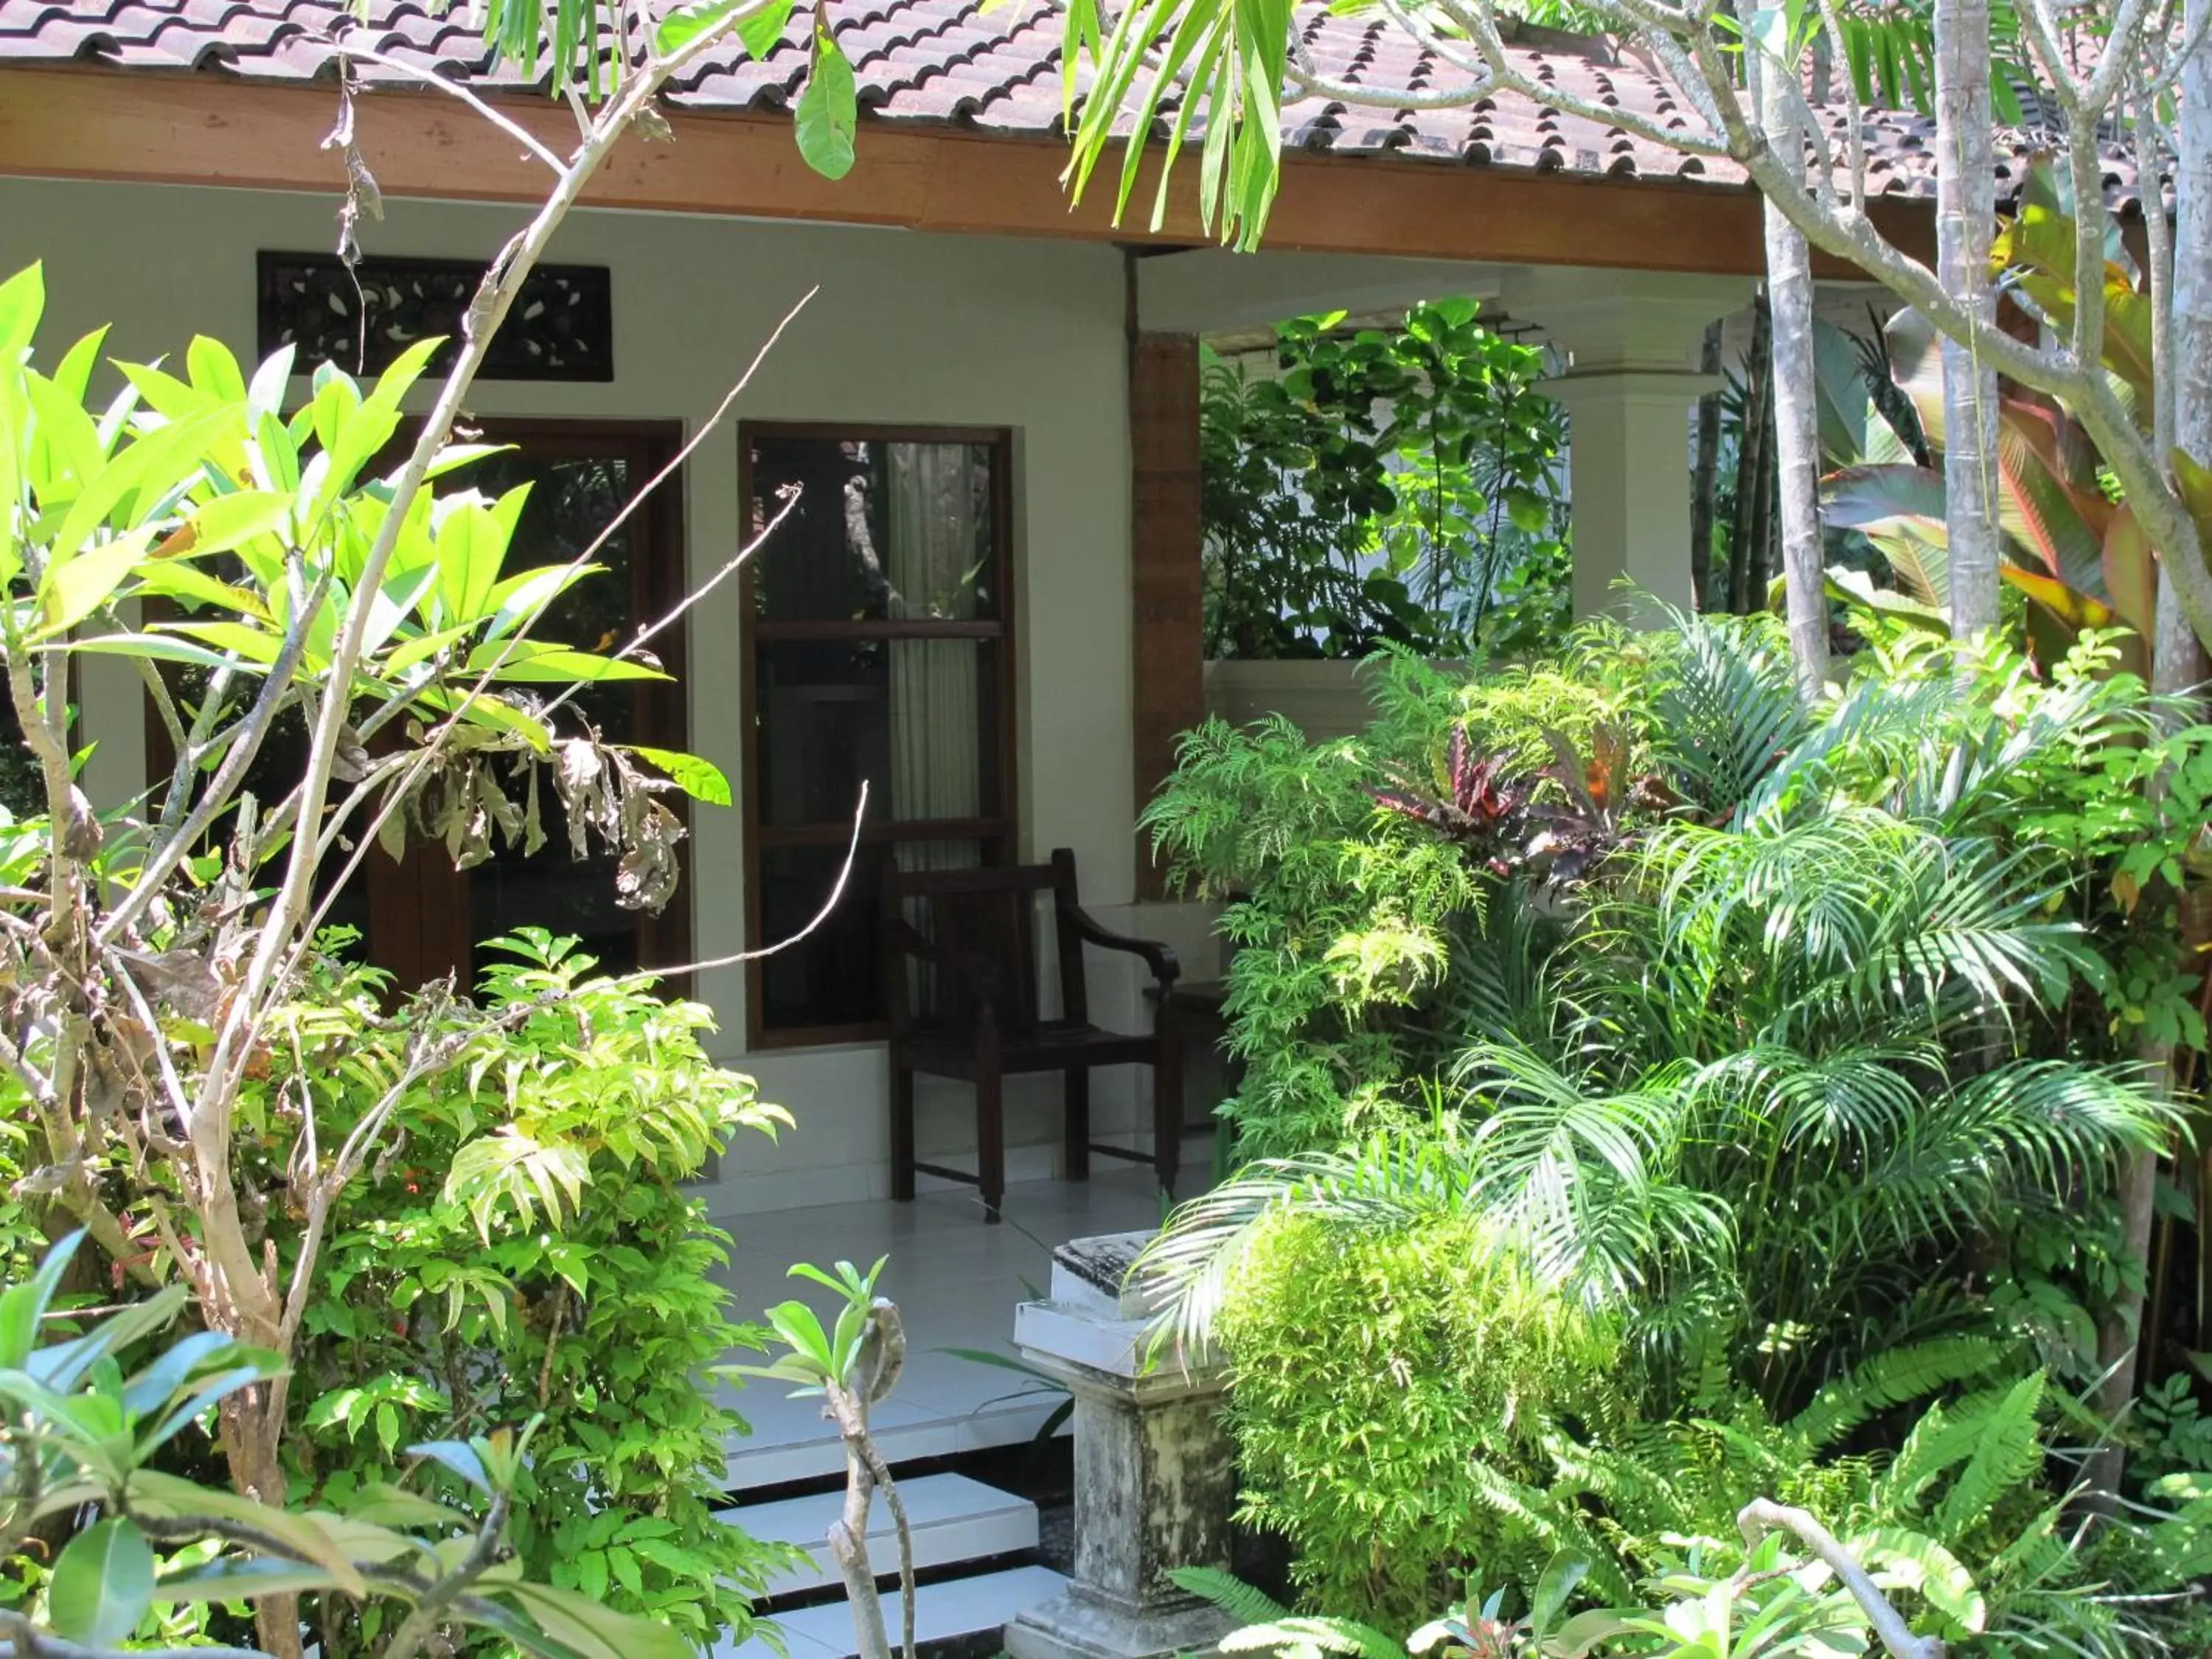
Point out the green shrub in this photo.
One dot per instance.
(1370, 1370)
(524, 1249)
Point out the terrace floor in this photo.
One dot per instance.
(957, 1281)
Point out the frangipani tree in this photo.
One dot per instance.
(315, 558)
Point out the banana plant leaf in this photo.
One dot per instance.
(1852, 430)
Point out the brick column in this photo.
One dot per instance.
(1168, 634)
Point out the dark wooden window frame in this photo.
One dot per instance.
(418, 907)
(1001, 834)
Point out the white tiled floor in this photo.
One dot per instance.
(957, 1281)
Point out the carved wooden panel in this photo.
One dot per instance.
(560, 327)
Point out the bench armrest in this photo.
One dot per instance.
(1160, 959)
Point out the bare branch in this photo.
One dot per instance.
(347, 47)
(1763, 1515)
(828, 905)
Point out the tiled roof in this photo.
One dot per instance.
(989, 69)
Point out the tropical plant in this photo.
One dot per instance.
(1479, 1629)
(1772, 1069)
(1396, 486)
(2081, 557)
(525, 1251)
(155, 952)
(851, 1366)
(1369, 1366)
(87, 1417)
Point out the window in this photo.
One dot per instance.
(420, 918)
(878, 649)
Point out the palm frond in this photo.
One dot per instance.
(1727, 706)
(1579, 1180)
(1388, 1180)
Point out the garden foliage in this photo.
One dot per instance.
(1788, 1048)
(1386, 485)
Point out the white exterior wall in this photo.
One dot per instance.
(906, 328)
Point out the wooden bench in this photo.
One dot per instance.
(966, 940)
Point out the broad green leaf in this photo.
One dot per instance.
(214, 369)
(702, 780)
(22, 303)
(1856, 587)
(829, 112)
(176, 579)
(594, 1632)
(265, 396)
(523, 597)
(1921, 1563)
(472, 542)
(74, 590)
(255, 645)
(103, 1584)
(2070, 605)
(147, 470)
(422, 648)
(2131, 572)
(759, 32)
(233, 1580)
(555, 664)
(229, 522)
(762, 31)
(304, 1533)
(69, 450)
(161, 648)
(22, 1306)
(1915, 363)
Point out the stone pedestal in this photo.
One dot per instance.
(1154, 1478)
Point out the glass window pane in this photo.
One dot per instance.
(572, 498)
(554, 892)
(917, 719)
(879, 530)
(835, 975)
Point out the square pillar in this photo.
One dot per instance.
(1166, 565)
(1631, 340)
(1628, 476)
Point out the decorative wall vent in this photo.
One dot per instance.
(561, 328)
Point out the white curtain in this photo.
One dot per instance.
(940, 545)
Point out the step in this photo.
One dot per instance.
(952, 1519)
(943, 1613)
(1008, 1417)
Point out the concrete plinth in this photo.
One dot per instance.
(1155, 1480)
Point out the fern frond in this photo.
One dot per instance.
(1891, 1379)
(1296, 1634)
(1243, 1602)
(2008, 1452)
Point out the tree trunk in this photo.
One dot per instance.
(2176, 664)
(1745, 528)
(1796, 422)
(1704, 475)
(1965, 222)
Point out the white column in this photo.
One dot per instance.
(1631, 389)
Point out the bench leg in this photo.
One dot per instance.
(1077, 1156)
(991, 1141)
(901, 1134)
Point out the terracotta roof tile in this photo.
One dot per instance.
(954, 61)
